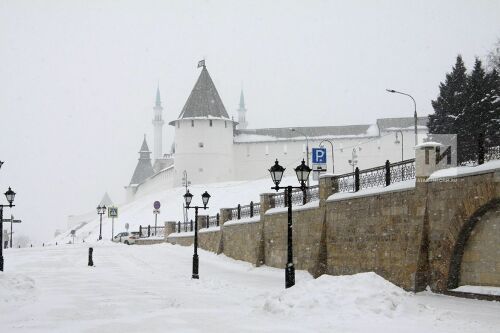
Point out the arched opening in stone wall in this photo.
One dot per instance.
(476, 255)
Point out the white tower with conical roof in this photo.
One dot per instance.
(203, 136)
(158, 127)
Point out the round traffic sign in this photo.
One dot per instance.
(156, 205)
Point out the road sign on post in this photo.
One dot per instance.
(319, 155)
(156, 211)
(112, 212)
(156, 205)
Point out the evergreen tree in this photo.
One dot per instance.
(450, 103)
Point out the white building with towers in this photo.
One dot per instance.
(211, 147)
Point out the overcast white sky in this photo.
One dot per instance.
(78, 78)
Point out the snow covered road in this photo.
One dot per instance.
(149, 289)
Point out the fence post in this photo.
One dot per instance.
(178, 226)
(356, 179)
(218, 216)
(388, 173)
(239, 211)
(251, 208)
(208, 221)
(480, 149)
(140, 231)
(149, 230)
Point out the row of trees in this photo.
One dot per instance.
(469, 105)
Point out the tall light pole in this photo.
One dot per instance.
(402, 142)
(414, 113)
(354, 159)
(331, 144)
(100, 210)
(10, 199)
(307, 147)
(187, 199)
(302, 171)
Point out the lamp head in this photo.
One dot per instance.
(391, 90)
(302, 172)
(10, 195)
(276, 172)
(187, 198)
(205, 197)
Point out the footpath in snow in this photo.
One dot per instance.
(149, 289)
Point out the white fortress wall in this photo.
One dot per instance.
(204, 151)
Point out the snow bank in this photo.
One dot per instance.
(15, 288)
(486, 290)
(356, 295)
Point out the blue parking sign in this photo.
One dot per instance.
(319, 155)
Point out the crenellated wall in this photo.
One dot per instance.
(412, 234)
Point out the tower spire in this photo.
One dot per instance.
(242, 112)
(158, 99)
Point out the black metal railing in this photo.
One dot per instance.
(377, 177)
(298, 197)
(213, 221)
(251, 210)
(151, 231)
(184, 226)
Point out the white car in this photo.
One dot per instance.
(126, 237)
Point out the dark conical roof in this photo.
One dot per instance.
(144, 168)
(144, 146)
(204, 100)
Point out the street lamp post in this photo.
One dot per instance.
(402, 142)
(302, 171)
(307, 147)
(331, 144)
(187, 199)
(354, 159)
(100, 210)
(414, 113)
(10, 199)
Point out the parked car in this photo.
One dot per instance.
(126, 237)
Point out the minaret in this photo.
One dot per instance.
(158, 127)
(242, 112)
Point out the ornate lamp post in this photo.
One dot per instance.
(101, 210)
(10, 199)
(302, 172)
(307, 147)
(414, 113)
(187, 199)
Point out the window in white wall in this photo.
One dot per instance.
(178, 124)
(200, 170)
(211, 124)
(192, 123)
(267, 149)
(225, 124)
(248, 151)
(304, 148)
(285, 149)
(200, 144)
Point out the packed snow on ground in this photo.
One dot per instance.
(487, 290)
(149, 289)
(140, 211)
